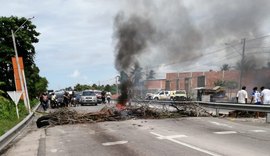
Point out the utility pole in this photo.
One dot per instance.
(20, 72)
(242, 62)
(116, 82)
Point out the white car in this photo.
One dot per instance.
(162, 95)
(88, 97)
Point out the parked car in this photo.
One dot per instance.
(162, 95)
(59, 97)
(178, 95)
(76, 98)
(149, 96)
(88, 97)
(98, 95)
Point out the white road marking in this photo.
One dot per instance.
(257, 130)
(220, 124)
(114, 143)
(171, 137)
(185, 144)
(60, 130)
(226, 132)
(54, 150)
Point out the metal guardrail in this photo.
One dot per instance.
(10, 135)
(216, 105)
(236, 106)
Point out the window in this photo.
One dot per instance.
(201, 81)
(167, 86)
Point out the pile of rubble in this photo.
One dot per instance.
(138, 111)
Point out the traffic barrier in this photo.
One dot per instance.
(218, 106)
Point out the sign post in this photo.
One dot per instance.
(15, 96)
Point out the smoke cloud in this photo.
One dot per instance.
(133, 34)
(161, 32)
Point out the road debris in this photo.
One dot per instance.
(136, 111)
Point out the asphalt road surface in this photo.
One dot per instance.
(198, 136)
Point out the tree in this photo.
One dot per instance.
(150, 75)
(1, 91)
(94, 86)
(136, 74)
(25, 37)
(231, 85)
(41, 86)
(79, 87)
(108, 88)
(69, 88)
(220, 83)
(225, 67)
(35, 83)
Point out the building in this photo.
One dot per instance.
(154, 85)
(190, 80)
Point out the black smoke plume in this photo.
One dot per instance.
(151, 32)
(132, 35)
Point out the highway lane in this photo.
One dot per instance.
(182, 136)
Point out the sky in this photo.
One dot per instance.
(76, 44)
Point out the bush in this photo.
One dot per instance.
(8, 115)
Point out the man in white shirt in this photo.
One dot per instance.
(265, 95)
(242, 95)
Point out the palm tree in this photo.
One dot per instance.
(151, 75)
(225, 67)
(136, 74)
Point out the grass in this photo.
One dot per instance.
(8, 115)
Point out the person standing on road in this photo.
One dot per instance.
(265, 96)
(108, 96)
(53, 101)
(44, 101)
(242, 95)
(103, 96)
(66, 99)
(256, 96)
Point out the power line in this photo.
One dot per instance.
(208, 53)
(257, 38)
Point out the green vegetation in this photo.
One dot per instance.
(26, 36)
(108, 88)
(227, 84)
(8, 116)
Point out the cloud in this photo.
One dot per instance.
(75, 39)
(76, 42)
(76, 73)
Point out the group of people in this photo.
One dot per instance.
(106, 95)
(258, 97)
(262, 97)
(68, 100)
(51, 99)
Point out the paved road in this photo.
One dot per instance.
(182, 136)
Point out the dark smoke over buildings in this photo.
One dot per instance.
(151, 32)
